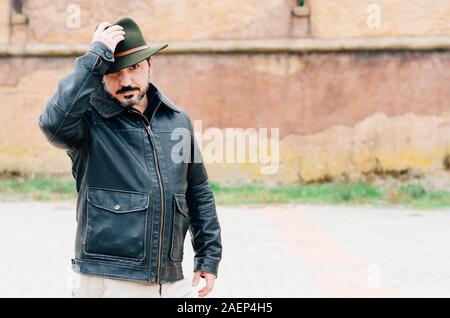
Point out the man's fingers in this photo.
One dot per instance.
(112, 29)
(118, 39)
(196, 278)
(210, 282)
(204, 291)
(209, 286)
(209, 278)
(108, 34)
(102, 26)
(115, 34)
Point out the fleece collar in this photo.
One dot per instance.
(108, 107)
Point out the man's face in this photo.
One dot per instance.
(130, 84)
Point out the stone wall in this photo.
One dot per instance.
(341, 115)
(51, 21)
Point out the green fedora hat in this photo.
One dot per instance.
(133, 49)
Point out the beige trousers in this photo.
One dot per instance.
(88, 286)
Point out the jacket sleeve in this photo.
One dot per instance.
(204, 224)
(64, 121)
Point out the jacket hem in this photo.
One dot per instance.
(110, 270)
(123, 272)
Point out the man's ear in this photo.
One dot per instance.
(150, 65)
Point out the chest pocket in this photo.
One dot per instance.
(116, 223)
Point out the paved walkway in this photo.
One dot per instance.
(271, 251)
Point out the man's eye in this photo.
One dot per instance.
(135, 66)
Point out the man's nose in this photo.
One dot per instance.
(125, 80)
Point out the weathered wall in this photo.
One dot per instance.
(4, 13)
(166, 20)
(170, 20)
(341, 115)
(348, 18)
(338, 114)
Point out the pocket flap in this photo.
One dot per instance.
(182, 207)
(118, 201)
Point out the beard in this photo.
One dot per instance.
(129, 103)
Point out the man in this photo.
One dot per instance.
(136, 199)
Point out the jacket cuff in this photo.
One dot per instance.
(104, 57)
(102, 50)
(206, 264)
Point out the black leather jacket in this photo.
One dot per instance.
(135, 203)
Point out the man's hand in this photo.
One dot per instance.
(109, 34)
(210, 279)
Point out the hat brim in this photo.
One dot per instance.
(133, 58)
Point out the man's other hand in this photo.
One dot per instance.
(209, 278)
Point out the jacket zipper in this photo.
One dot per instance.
(161, 188)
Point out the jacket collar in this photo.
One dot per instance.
(108, 107)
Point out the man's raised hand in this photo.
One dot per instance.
(109, 34)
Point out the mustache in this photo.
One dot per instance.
(127, 89)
